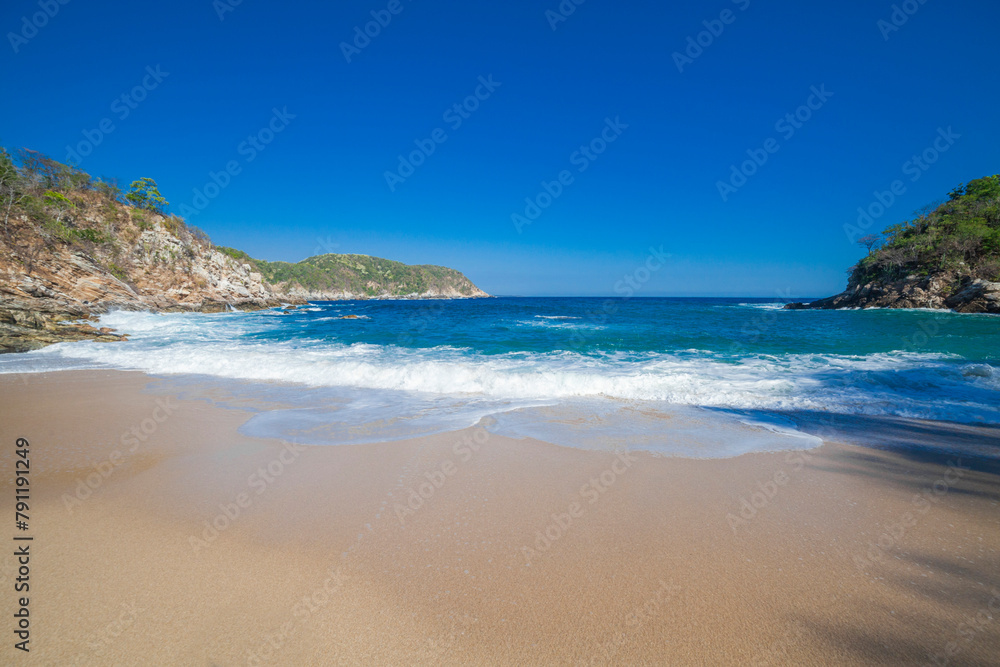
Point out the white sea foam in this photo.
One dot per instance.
(558, 322)
(901, 383)
(761, 306)
(365, 392)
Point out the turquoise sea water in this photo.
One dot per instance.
(411, 367)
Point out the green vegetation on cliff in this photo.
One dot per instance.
(960, 236)
(47, 207)
(359, 275)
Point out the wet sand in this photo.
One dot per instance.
(163, 536)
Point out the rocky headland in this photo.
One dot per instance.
(948, 257)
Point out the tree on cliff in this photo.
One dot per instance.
(40, 173)
(869, 241)
(145, 194)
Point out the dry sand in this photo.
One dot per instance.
(323, 566)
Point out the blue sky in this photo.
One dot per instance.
(320, 183)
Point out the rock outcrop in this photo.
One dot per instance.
(976, 296)
(33, 323)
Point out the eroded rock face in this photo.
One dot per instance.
(938, 291)
(977, 296)
(193, 276)
(151, 269)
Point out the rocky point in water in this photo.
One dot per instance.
(948, 257)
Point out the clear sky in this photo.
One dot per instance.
(211, 77)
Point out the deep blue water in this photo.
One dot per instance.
(594, 326)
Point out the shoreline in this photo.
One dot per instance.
(470, 547)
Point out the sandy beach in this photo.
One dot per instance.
(164, 536)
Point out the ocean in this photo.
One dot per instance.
(647, 373)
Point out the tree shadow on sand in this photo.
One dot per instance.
(961, 621)
(952, 578)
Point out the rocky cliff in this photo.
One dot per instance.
(948, 257)
(84, 258)
(72, 248)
